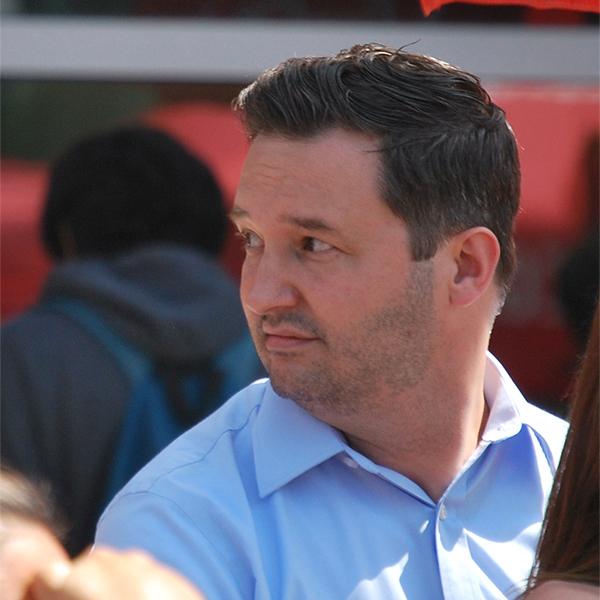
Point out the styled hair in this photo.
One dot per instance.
(568, 549)
(120, 189)
(449, 159)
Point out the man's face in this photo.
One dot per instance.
(340, 314)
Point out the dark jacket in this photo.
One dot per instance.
(63, 393)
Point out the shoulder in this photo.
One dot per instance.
(45, 351)
(549, 429)
(559, 590)
(212, 447)
(190, 505)
(38, 329)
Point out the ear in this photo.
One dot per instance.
(475, 254)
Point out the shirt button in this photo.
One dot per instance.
(443, 512)
(350, 462)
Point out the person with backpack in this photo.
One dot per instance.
(138, 333)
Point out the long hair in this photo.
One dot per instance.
(568, 548)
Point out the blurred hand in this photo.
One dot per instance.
(109, 574)
(25, 547)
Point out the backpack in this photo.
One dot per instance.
(165, 400)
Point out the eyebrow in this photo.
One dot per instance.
(309, 223)
(238, 213)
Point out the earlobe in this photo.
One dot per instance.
(476, 253)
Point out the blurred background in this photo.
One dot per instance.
(69, 68)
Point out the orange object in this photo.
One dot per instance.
(429, 6)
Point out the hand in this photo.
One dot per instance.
(25, 548)
(104, 573)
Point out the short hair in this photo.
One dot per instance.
(449, 158)
(117, 190)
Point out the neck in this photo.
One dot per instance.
(432, 463)
(427, 437)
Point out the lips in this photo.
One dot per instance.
(286, 332)
(286, 339)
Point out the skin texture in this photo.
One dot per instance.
(34, 566)
(346, 323)
(561, 590)
(301, 283)
(26, 547)
(106, 573)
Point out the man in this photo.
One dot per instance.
(135, 223)
(388, 456)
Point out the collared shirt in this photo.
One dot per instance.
(262, 500)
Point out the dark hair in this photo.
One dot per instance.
(120, 189)
(568, 549)
(23, 499)
(449, 158)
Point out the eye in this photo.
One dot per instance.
(250, 240)
(311, 244)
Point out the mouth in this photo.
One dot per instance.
(286, 341)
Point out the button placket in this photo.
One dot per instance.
(443, 512)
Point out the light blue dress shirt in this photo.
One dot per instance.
(263, 501)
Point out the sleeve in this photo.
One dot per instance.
(159, 526)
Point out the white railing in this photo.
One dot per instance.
(160, 49)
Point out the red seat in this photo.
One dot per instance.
(553, 125)
(24, 264)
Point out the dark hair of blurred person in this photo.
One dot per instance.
(29, 533)
(568, 551)
(141, 185)
(95, 375)
(21, 498)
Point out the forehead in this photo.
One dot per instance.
(334, 175)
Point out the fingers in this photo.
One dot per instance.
(106, 573)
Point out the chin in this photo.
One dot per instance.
(291, 386)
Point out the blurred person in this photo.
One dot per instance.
(389, 455)
(578, 276)
(104, 573)
(29, 534)
(34, 565)
(568, 559)
(136, 306)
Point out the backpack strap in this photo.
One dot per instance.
(134, 364)
(164, 401)
(145, 426)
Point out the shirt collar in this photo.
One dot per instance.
(503, 399)
(288, 441)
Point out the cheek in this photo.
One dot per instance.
(245, 282)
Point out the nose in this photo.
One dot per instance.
(267, 284)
